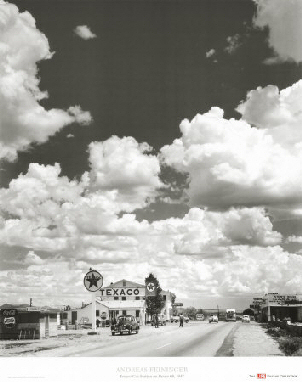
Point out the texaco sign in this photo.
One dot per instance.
(93, 281)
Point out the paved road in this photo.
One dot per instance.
(193, 340)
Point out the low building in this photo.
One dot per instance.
(120, 298)
(28, 323)
(274, 306)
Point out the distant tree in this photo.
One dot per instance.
(248, 311)
(173, 298)
(154, 303)
(190, 312)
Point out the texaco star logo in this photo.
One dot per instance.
(93, 280)
(151, 287)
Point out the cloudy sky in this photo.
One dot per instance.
(151, 136)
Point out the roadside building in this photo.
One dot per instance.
(275, 306)
(28, 323)
(120, 298)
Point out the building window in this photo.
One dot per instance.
(124, 312)
(117, 312)
(137, 298)
(137, 314)
(116, 298)
(97, 312)
(144, 298)
(123, 298)
(124, 283)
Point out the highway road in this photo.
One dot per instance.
(193, 340)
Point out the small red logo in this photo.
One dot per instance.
(261, 376)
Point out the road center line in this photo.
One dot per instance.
(163, 346)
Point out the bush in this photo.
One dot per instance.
(274, 332)
(290, 345)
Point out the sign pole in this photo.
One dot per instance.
(93, 281)
(93, 312)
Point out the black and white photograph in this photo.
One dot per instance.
(151, 190)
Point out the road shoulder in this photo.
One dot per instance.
(251, 340)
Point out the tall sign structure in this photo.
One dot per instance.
(93, 281)
(150, 288)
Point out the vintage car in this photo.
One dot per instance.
(213, 318)
(246, 318)
(175, 319)
(161, 320)
(186, 319)
(125, 324)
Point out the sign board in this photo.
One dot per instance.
(9, 317)
(121, 292)
(150, 289)
(178, 304)
(281, 299)
(93, 281)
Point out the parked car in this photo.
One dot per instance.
(175, 319)
(213, 318)
(125, 324)
(246, 318)
(186, 319)
(161, 320)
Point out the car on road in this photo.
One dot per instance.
(246, 318)
(213, 318)
(161, 320)
(175, 319)
(186, 319)
(125, 324)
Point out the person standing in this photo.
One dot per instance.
(156, 320)
(181, 320)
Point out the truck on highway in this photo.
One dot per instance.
(230, 315)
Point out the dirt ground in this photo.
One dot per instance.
(9, 348)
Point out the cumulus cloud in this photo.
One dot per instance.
(84, 32)
(203, 232)
(284, 22)
(233, 43)
(45, 211)
(242, 270)
(232, 162)
(40, 192)
(74, 225)
(125, 166)
(294, 239)
(33, 259)
(278, 111)
(213, 248)
(22, 119)
(77, 223)
(258, 270)
(210, 53)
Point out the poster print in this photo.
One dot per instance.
(157, 144)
